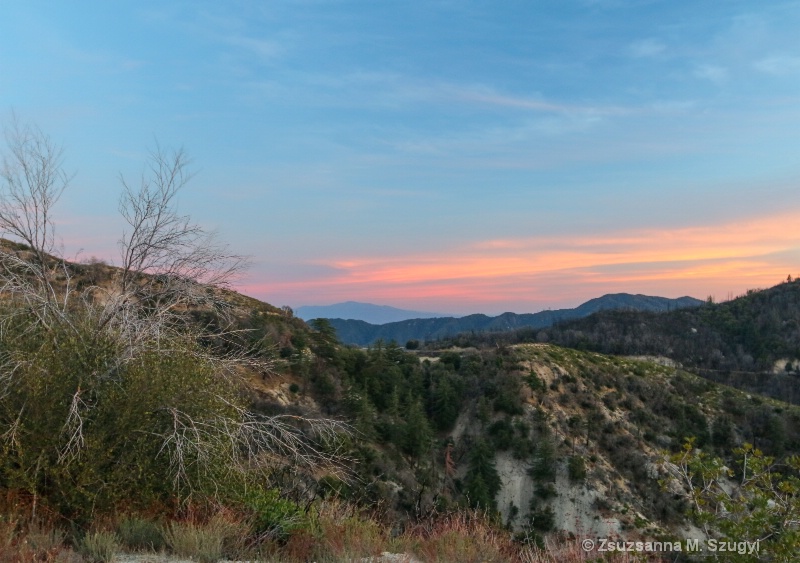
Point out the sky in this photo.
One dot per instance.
(450, 156)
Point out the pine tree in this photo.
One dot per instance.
(444, 404)
(417, 438)
(482, 482)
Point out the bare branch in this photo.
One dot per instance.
(254, 442)
(73, 429)
(31, 182)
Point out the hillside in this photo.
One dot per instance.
(553, 439)
(361, 333)
(751, 342)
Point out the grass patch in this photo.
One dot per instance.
(100, 546)
(207, 542)
(460, 536)
(138, 534)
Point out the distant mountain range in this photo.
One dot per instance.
(361, 333)
(353, 310)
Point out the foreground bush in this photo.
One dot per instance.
(139, 534)
(110, 395)
(87, 434)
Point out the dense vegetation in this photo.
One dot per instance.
(749, 333)
(407, 408)
(86, 434)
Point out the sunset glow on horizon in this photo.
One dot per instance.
(718, 261)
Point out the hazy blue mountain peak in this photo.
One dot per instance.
(368, 312)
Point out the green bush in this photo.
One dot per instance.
(502, 433)
(577, 468)
(541, 519)
(544, 465)
(90, 431)
(535, 382)
(482, 482)
(545, 491)
(764, 509)
(140, 534)
(273, 516)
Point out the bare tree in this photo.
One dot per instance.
(163, 243)
(33, 180)
(168, 263)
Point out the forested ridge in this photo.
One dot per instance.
(361, 333)
(751, 342)
(749, 333)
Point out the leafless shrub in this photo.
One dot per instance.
(73, 428)
(254, 442)
(34, 181)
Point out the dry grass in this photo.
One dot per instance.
(140, 534)
(341, 533)
(100, 546)
(222, 535)
(353, 535)
(571, 551)
(8, 531)
(459, 536)
(36, 541)
(336, 532)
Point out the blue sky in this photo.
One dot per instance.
(448, 156)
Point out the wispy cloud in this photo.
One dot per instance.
(713, 73)
(396, 90)
(491, 97)
(263, 48)
(647, 48)
(778, 65)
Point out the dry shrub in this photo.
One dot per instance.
(302, 545)
(336, 531)
(346, 532)
(44, 538)
(8, 531)
(100, 546)
(222, 535)
(460, 536)
(38, 541)
(8, 538)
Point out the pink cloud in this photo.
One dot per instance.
(520, 273)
